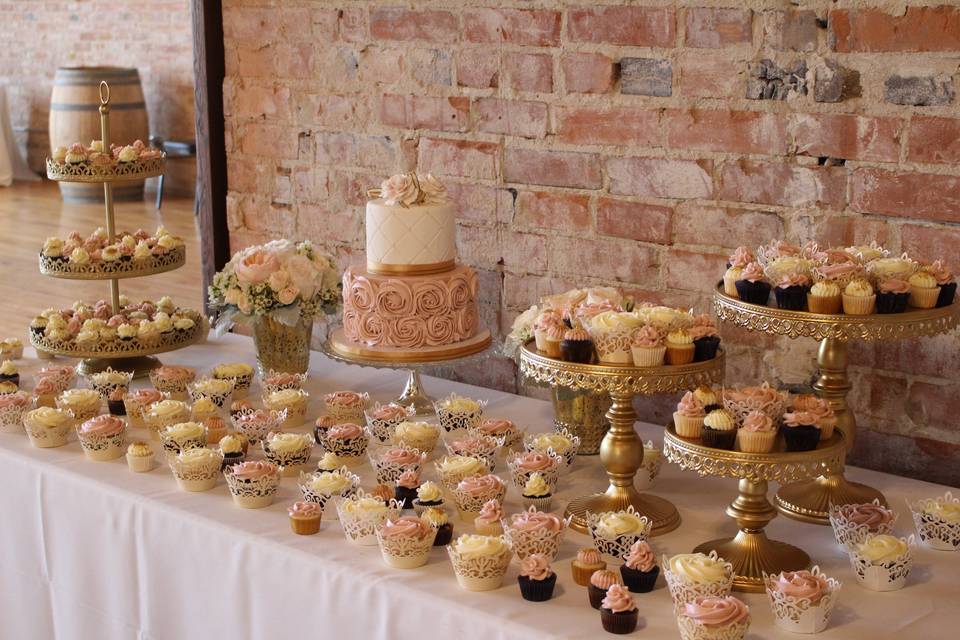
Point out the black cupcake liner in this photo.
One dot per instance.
(116, 407)
(718, 439)
(753, 292)
(577, 351)
(705, 348)
(444, 535)
(792, 298)
(537, 590)
(639, 581)
(596, 595)
(619, 623)
(892, 302)
(947, 293)
(405, 496)
(801, 438)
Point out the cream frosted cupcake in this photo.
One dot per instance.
(536, 493)
(680, 347)
(532, 531)
(233, 448)
(561, 442)
(172, 379)
(140, 457)
(647, 347)
(488, 521)
(160, 415)
(693, 575)
(391, 462)
(713, 618)
(48, 427)
(854, 523)
(240, 373)
(329, 462)
(202, 409)
(709, 398)
(739, 259)
(82, 403)
(825, 297)
(757, 433)
(802, 601)
(418, 435)
(938, 521)
(288, 451)
(405, 542)
(438, 519)
(278, 380)
(135, 403)
(346, 406)
(348, 442)
(452, 469)
(480, 562)
(196, 469)
(216, 389)
(882, 562)
(382, 420)
(253, 483)
(459, 412)
(859, 298)
(12, 408)
(105, 382)
(472, 492)
(924, 290)
(546, 463)
(612, 333)
(885, 268)
(293, 401)
(429, 496)
(614, 532)
(322, 486)
(689, 416)
(182, 436)
(472, 443)
(361, 515)
(102, 437)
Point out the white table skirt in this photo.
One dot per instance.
(94, 551)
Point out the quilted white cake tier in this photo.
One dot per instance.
(419, 239)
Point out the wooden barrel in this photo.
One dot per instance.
(75, 117)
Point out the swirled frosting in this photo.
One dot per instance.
(882, 548)
(698, 568)
(415, 430)
(588, 556)
(462, 465)
(741, 257)
(389, 413)
(640, 557)
(230, 443)
(287, 442)
(470, 547)
(346, 431)
(458, 404)
(253, 470)
(893, 285)
(174, 373)
(618, 600)
(409, 479)
(648, 336)
(825, 289)
(399, 456)
(305, 510)
(429, 492)
(941, 273)
(560, 443)
(800, 584)
(479, 486)
(232, 370)
(715, 611)
(534, 461)
(434, 517)
(536, 566)
(690, 406)
(706, 395)
(753, 272)
(873, 516)
(614, 524)
(793, 279)
(859, 288)
(496, 426)
(490, 512)
(720, 420)
(364, 505)
(945, 510)
(536, 486)
(679, 336)
(105, 425)
(604, 579)
(757, 421)
(184, 431)
(167, 409)
(799, 419)
(344, 399)
(330, 482)
(48, 417)
(406, 526)
(80, 398)
(139, 450)
(615, 320)
(923, 280)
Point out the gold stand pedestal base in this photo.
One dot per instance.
(810, 501)
(140, 366)
(662, 514)
(752, 554)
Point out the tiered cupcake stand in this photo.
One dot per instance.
(810, 501)
(129, 355)
(750, 551)
(621, 451)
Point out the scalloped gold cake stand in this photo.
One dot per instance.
(621, 451)
(751, 552)
(810, 501)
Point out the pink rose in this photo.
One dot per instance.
(278, 279)
(256, 267)
(303, 275)
(244, 304)
(287, 295)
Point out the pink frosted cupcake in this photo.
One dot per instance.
(102, 437)
(348, 442)
(405, 542)
(383, 420)
(714, 618)
(253, 483)
(618, 612)
(533, 531)
(346, 406)
(172, 379)
(136, 403)
(853, 523)
(801, 600)
(757, 433)
(648, 348)
(487, 523)
(471, 493)
(279, 380)
(688, 418)
(12, 408)
(258, 424)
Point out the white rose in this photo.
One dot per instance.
(303, 275)
(278, 279)
(399, 190)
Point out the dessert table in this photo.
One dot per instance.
(92, 550)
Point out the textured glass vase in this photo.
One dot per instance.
(281, 347)
(583, 414)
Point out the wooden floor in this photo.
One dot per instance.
(29, 213)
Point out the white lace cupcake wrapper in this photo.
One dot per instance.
(551, 475)
(406, 546)
(362, 529)
(450, 479)
(352, 448)
(543, 541)
(172, 446)
(44, 437)
(257, 431)
(614, 345)
(453, 420)
(568, 456)
(390, 472)
(850, 533)
(287, 458)
(259, 488)
(11, 419)
(888, 576)
(480, 574)
(690, 630)
(619, 546)
(219, 399)
(196, 471)
(92, 442)
(683, 592)
(473, 504)
(800, 615)
(936, 532)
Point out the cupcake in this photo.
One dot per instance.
(552, 338)
(115, 403)
(791, 291)
(383, 492)
(348, 442)
(739, 259)
(137, 402)
(329, 462)
(533, 531)
(825, 297)
(429, 496)
(305, 518)
(458, 412)
(12, 408)
(320, 428)
(706, 340)
(741, 401)
(858, 298)
(9, 373)
(488, 522)
(537, 580)
(107, 381)
(418, 435)
(322, 486)
(233, 448)
(757, 433)
(102, 438)
(719, 430)
(279, 380)
(346, 406)
(924, 290)
(196, 469)
(536, 493)
(614, 532)
(46, 390)
(680, 348)
(216, 429)
(240, 407)
(480, 562)
(938, 521)
(406, 490)
(160, 415)
(240, 373)
(82, 403)
(253, 483)
(639, 569)
(800, 431)
(713, 618)
(256, 424)
(501, 429)
(751, 287)
(826, 422)
(289, 451)
(546, 463)
(12, 348)
(612, 333)
(689, 416)
(48, 427)
(437, 518)
(882, 562)
(587, 562)
(390, 462)
(946, 282)
(172, 379)
(543, 323)
(361, 515)
(202, 409)
(140, 457)
(840, 269)
(576, 346)
(216, 389)
(470, 494)
(647, 347)
(561, 442)
(293, 401)
(892, 296)
(382, 421)
(802, 601)
(618, 613)
(405, 542)
(182, 436)
(472, 443)
(452, 469)
(600, 583)
(709, 398)
(693, 575)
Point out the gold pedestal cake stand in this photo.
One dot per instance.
(338, 348)
(810, 501)
(750, 551)
(621, 451)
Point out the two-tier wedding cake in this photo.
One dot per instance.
(412, 301)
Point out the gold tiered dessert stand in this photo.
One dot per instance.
(810, 501)
(621, 451)
(750, 551)
(123, 355)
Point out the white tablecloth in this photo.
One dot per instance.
(94, 551)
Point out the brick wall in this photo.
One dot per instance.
(153, 36)
(633, 143)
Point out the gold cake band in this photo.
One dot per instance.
(384, 269)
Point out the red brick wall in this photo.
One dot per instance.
(634, 144)
(154, 36)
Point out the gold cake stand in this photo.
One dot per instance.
(810, 501)
(621, 451)
(750, 551)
